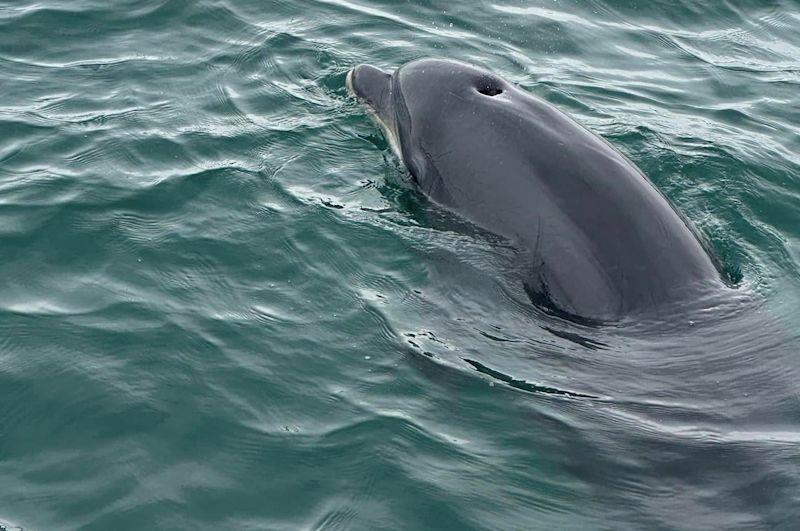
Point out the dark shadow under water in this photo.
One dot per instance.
(695, 417)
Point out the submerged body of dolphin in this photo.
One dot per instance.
(603, 242)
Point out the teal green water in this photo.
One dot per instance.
(222, 306)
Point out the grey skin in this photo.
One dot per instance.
(602, 242)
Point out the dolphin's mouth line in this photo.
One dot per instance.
(388, 132)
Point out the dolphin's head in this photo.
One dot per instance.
(374, 88)
(406, 103)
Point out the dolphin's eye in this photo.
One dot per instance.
(489, 86)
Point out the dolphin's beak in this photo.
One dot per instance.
(370, 86)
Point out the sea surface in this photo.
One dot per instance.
(224, 306)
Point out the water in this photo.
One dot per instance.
(223, 306)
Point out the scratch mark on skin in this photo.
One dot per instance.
(440, 155)
(457, 96)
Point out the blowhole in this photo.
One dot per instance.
(489, 87)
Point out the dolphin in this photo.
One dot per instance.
(601, 242)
